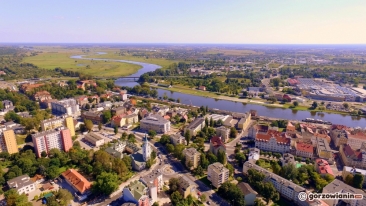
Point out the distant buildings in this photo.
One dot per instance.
(195, 126)
(94, 138)
(42, 96)
(322, 167)
(65, 107)
(59, 138)
(203, 88)
(217, 145)
(78, 182)
(217, 174)
(353, 158)
(124, 119)
(177, 139)
(22, 184)
(155, 122)
(223, 132)
(192, 157)
(8, 142)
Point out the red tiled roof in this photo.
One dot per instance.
(280, 137)
(77, 180)
(339, 127)
(348, 151)
(304, 147)
(217, 142)
(323, 167)
(358, 135)
(167, 117)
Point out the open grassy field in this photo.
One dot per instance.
(234, 52)
(20, 139)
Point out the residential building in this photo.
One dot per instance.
(95, 138)
(273, 141)
(41, 96)
(244, 122)
(224, 133)
(59, 138)
(322, 167)
(38, 179)
(70, 124)
(203, 88)
(338, 186)
(254, 154)
(339, 135)
(155, 122)
(322, 149)
(8, 142)
(160, 110)
(216, 145)
(192, 157)
(351, 157)
(119, 147)
(136, 192)
(154, 182)
(83, 84)
(304, 150)
(49, 124)
(287, 158)
(124, 119)
(195, 126)
(65, 106)
(7, 104)
(290, 127)
(46, 104)
(77, 181)
(217, 174)
(186, 187)
(352, 171)
(118, 110)
(286, 188)
(95, 117)
(22, 184)
(27, 87)
(356, 138)
(249, 194)
(177, 139)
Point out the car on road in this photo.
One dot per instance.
(208, 202)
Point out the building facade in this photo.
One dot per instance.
(195, 126)
(94, 138)
(192, 157)
(8, 142)
(154, 182)
(304, 150)
(244, 122)
(22, 184)
(223, 132)
(53, 123)
(177, 139)
(217, 174)
(273, 141)
(65, 107)
(155, 122)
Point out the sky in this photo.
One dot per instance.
(184, 21)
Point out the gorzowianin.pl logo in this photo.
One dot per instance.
(303, 196)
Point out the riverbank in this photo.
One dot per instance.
(262, 102)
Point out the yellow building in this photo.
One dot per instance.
(192, 157)
(244, 121)
(69, 123)
(8, 142)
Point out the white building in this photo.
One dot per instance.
(177, 139)
(273, 142)
(341, 187)
(146, 150)
(217, 174)
(254, 154)
(155, 122)
(223, 132)
(154, 182)
(22, 184)
(65, 107)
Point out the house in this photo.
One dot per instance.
(216, 145)
(249, 194)
(337, 186)
(287, 158)
(186, 187)
(254, 154)
(136, 192)
(352, 171)
(304, 150)
(217, 174)
(77, 181)
(118, 110)
(192, 157)
(82, 84)
(177, 139)
(27, 87)
(38, 179)
(42, 96)
(322, 167)
(155, 122)
(195, 126)
(22, 184)
(154, 182)
(94, 138)
(95, 117)
(203, 88)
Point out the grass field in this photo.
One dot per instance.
(233, 52)
(51, 60)
(20, 139)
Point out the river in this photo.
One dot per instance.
(236, 106)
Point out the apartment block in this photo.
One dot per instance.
(192, 157)
(338, 186)
(155, 122)
(217, 173)
(65, 107)
(8, 142)
(49, 124)
(69, 123)
(244, 121)
(224, 133)
(304, 150)
(177, 139)
(195, 126)
(59, 138)
(322, 149)
(273, 141)
(186, 187)
(154, 182)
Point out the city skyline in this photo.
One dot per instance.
(184, 22)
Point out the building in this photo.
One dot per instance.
(217, 174)
(95, 117)
(217, 145)
(46, 104)
(146, 149)
(273, 141)
(338, 186)
(290, 127)
(186, 187)
(192, 157)
(254, 154)
(49, 124)
(154, 182)
(77, 181)
(224, 133)
(195, 126)
(83, 84)
(203, 88)
(94, 138)
(244, 122)
(287, 158)
(22, 184)
(249, 194)
(59, 138)
(124, 119)
(136, 192)
(155, 122)
(42, 96)
(70, 124)
(138, 162)
(8, 142)
(177, 139)
(65, 106)
(322, 149)
(304, 150)
(286, 188)
(352, 171)
(323, 168)
(118, 110)
(355, 139)
(339, 135)
(351, 157)
(7, 105)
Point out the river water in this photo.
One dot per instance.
(236, 106)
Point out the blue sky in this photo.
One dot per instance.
(188, 21)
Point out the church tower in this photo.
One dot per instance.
(146, 149)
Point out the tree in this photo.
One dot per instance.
(115, 129)
(314, 105)
(346, 105)
(221, 157)
(173, 184)
(52, 172)
(88, 124)
(295, 103)
(211, 122)
(289, 172)
(131, 138)
(100, 126)
(106, 183)
(176, 197)
(269, 192)
(233, 132)
(178, 100)
(231, 192)
(187, 136)
(152, 133)
(44, 154)
(206, 121)
(203, 198)
(107, 115)
(165, 139)
(14, 199)
(170, 148)
(155, 204)
(231, 169)
(357, 181)
(198, 171)
(258, 202)
(276, 168)
(349, 179)
(64, 196)
(240, 158)
(124, 136)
